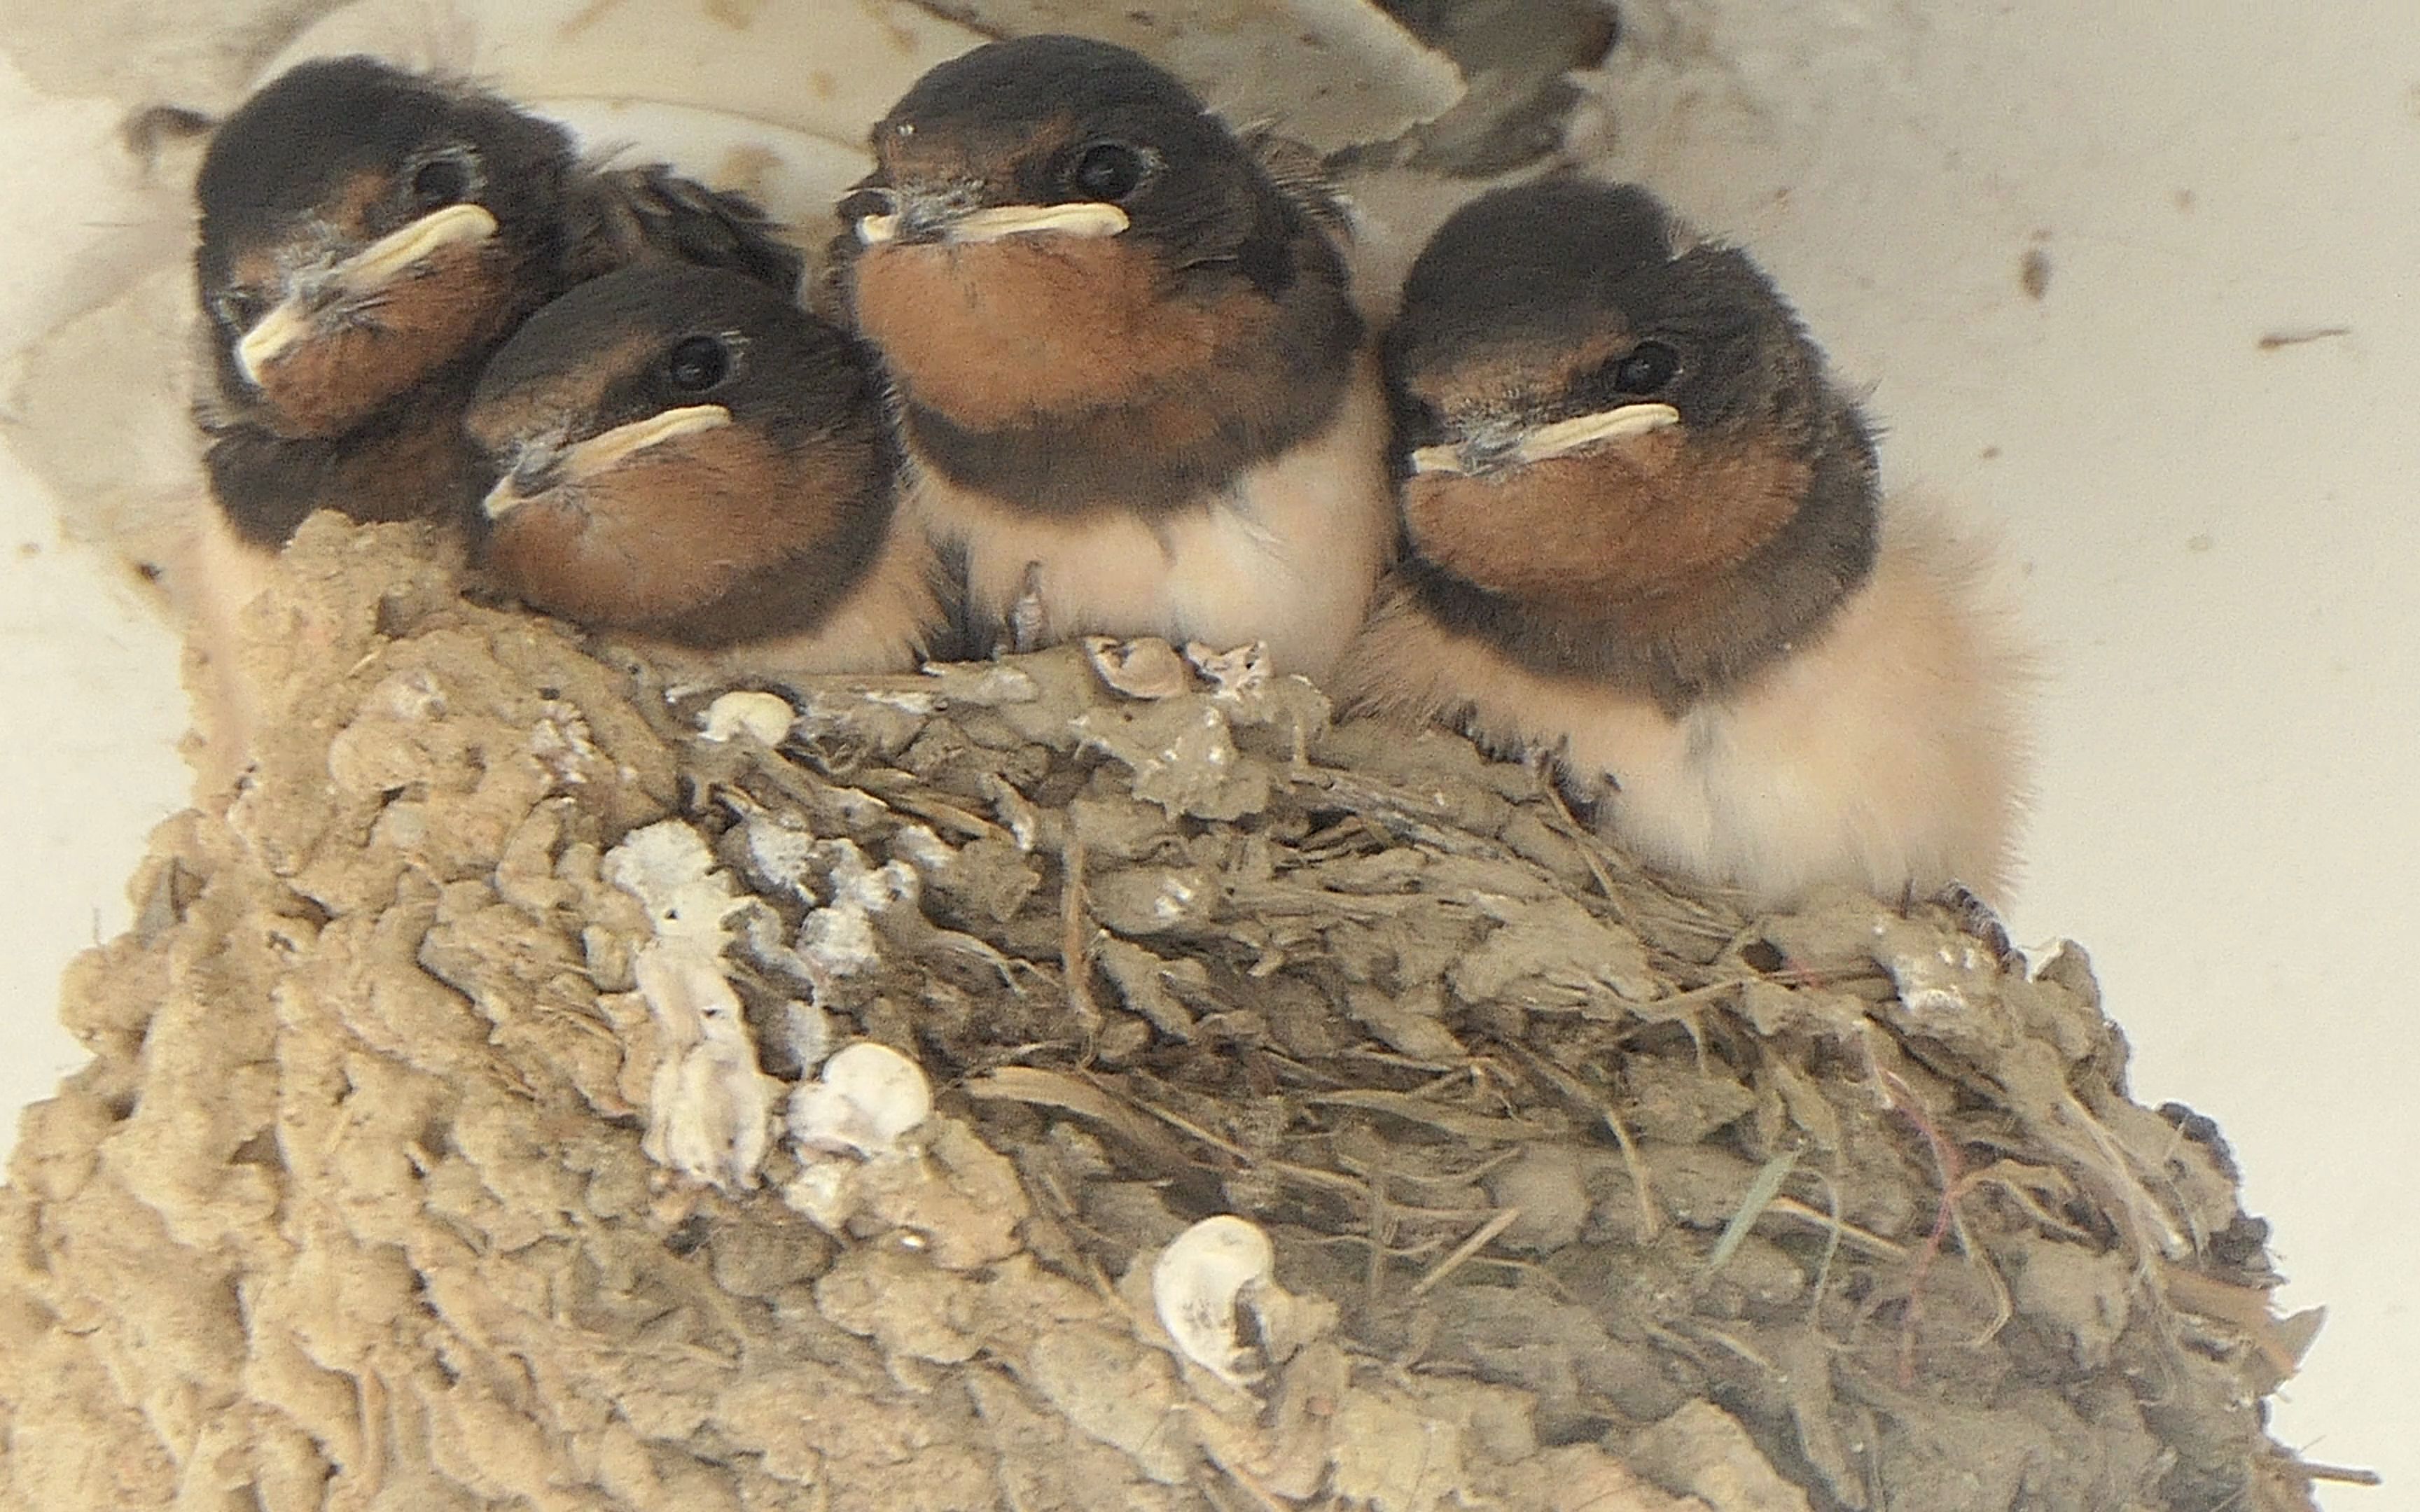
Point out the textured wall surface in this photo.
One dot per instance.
(2130, 282)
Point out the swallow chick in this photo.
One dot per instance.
(1132, 387)
(368, 236)
(683, 455)
(1645, 535)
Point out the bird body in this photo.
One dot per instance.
(1885, 753)
(1284, 553)
(884, 625)
(1129, 375)
(884, 622)
(1647, 542)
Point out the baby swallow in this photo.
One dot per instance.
(1132, 387)
(683, 455)
(368, 237)
(1645, 535)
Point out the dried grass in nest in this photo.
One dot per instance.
(1587, 1193)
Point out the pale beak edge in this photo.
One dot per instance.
(608, 449)
(998, 221)
(366, 271)
(1561, 437)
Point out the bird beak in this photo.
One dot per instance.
(367, 272)
(1490, 449)
(544, 466)
(926, 215)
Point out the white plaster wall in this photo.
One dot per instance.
(90, 703)
(2216, 544)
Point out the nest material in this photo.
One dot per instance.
(1594, 1193)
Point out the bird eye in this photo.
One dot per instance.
(440, 182)
(697, 364)
(239, 309)
(1646, 368)
(1110, 171)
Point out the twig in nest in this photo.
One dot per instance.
(1419, 1249)
(1842, 1230)
(1084, 1098)
(1693, 995)
(1570, 826)
(1382, 1232)
(1246, 1483)
(2004, 1301)
(1468, 1248)
(1583, 1098)
(2130, 1179)
(1651, 1223)
(2340, 1474)
(1437, 1175)
(1678, 910)
(1184, 1125)
(1310, 1176)
(1945, 1164)
(1707, 1331)
(2243, 1308)
(943, 815)
(370, 1395)
(1758, 1197)
(1075, 961)
(2016, 1191)
(1832, 1238)
(1401, 816)
(1413, 1108)
(1948, 1217)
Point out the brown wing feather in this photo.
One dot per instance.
(1301, 175)
(619, 216)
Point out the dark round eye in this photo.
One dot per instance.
(1110, 171)
(1647, 368)
(239, 309)
(440, 182)
(697, 364)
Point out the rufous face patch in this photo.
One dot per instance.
(667, 529)
(1633, 521)
(366, 353)
(994, 334)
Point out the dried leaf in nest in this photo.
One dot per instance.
(525, 1098)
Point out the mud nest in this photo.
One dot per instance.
(445, 1143)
